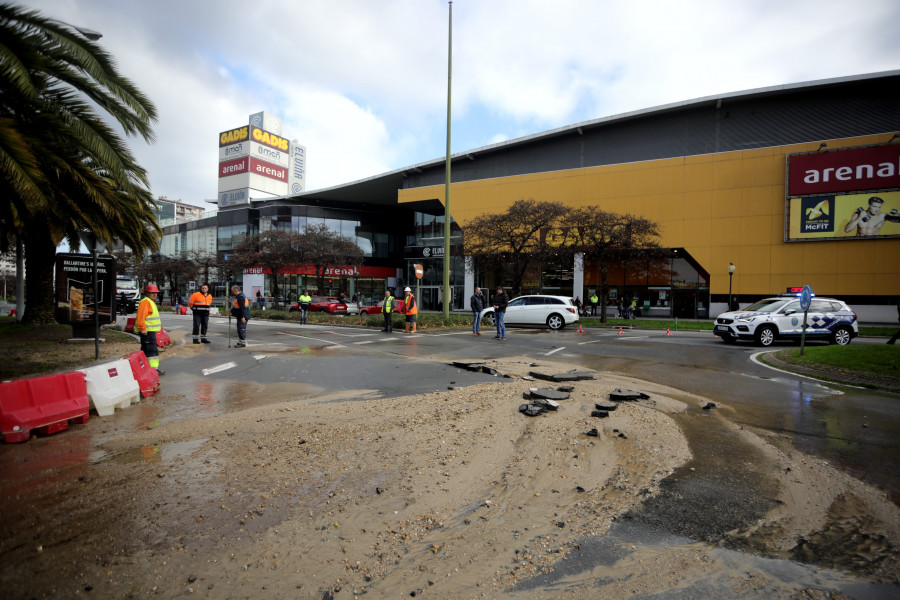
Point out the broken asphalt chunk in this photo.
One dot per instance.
(600, 414)
(620, 394)
(548, 394)
(468, 365)
(532, 410)
(548, 404)
(605, 405)
(566, 388)
(709, 405)
(593, 432)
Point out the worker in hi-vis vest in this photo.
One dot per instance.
(410, 309)
(148, 325)
(201, 303)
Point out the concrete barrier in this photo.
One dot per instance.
(43, 404)
(111, 385)
(145, 375)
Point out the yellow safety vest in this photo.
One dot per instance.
(152, 321)
(388, 305)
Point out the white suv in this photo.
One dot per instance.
(782, 318)
(553, 311)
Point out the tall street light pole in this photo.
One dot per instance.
(731, 268)
(447, 172)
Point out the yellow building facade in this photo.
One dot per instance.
(721, 208)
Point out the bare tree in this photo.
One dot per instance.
(323, 248)
(274, 250)
(603, 235)
(206, 262)
(513, 241)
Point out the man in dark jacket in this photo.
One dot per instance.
(240, 310)
(500, 302)
(477, 304)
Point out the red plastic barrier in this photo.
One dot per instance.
(129, 325)
(182, 310)
(45, 404)
(146, 376)
(162, 339)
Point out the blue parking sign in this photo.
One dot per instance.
(805, 298)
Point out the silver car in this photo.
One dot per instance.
(554, 312)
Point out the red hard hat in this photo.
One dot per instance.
(152, 288)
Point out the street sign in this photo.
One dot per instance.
(805, 298)
(192, 285)
(420, 271)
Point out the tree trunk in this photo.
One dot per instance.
(40, 261)
(604, 289)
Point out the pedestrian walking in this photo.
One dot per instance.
(240, 310)
(304, 300)
(632, 309)
(501, 300)
(578, 306)
(410, 309)
(176, 297)
(260, 300)
(387, 311)
(477, 304)
(594, 300)
(201, 303)
(148, 324)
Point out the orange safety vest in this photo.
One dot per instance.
(200, 302)
(410, 307)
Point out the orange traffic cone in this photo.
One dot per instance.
(621, 331)
(668, 332)
(580, 329)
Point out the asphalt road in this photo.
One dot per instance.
(856, 430)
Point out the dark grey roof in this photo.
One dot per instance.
(764, 117)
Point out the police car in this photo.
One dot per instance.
(782, 318)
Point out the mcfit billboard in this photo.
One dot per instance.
(844, 194)
(255, 159)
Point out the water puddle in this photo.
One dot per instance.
(160, 453)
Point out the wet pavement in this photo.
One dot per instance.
(726, 487)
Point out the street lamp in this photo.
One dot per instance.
(731, 268)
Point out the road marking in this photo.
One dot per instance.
(260, 356)
(306, 337)
(219, 368)
(554, 351)
(453, 333)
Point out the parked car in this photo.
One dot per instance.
(554, 312)
(782, 318)
(332, 306)
(375, 309)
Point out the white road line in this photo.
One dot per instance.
(590, 342)
(453, 333)
(308, 338)
(260, 356)
(554, 351)
(219, 368)
(365, 342)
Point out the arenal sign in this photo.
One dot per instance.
(852, 170)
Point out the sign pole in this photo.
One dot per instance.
(805, 300)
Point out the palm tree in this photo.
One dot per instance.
(63, 169)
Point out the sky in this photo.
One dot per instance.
(363, 85)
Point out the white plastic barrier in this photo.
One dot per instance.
(111, 385)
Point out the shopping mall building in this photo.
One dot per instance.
(776, 181)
